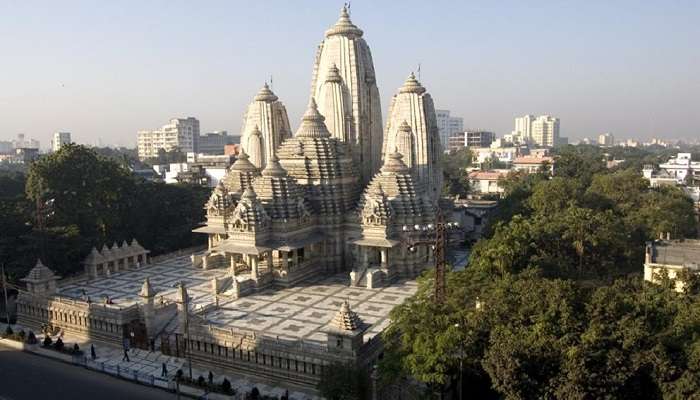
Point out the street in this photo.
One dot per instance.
(28, 376)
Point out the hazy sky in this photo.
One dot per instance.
(104, 69)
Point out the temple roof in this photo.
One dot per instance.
(412, 85)
(243, 163)
(274, 168)
(333, 74)
(395, 183)
(40, 273)
(393, 164)
(312, 123)
(94, 257)
(241, 174)
(346, 319)
(265, 94)
(344, 26)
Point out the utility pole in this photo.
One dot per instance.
(4, 289)
(440, 263)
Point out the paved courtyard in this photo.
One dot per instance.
(298, 313)
(303, 312)
(123, 287)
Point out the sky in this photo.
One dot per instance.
(105, 69)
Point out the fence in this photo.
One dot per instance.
(125, 373)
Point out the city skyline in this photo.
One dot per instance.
(122, 71)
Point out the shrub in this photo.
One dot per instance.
(254, 394)
(58, 345)
(31, 338)
(179, 374)
(8, 331)
(21, 335)
(201, 381)
(47, 341)
(226, 387)
(76, 348)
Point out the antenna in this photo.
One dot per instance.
(271, 86)
(419, 71)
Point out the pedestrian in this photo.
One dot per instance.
(164, 371)
(211, 378)
(126, 355)
(92, 352)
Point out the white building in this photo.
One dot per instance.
(487, 182)
(541, 131)
(671, 257)
(606, 139)
(682, 168)
(59, 139)
(448, 126)
(180, 134)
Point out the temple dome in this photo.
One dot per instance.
(249, 213)
(334, 74)
(403, 192)
(282, 197)
(344, 26)
(322, 164)
(412, 85)
(394, 165)
(241, 174)
(312, 123)
(40, 273)
(265, 126)
(265, 94)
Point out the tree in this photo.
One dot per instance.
(454, 169)
(343, 382)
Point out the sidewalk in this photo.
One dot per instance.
(146, 367)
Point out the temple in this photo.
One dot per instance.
(311, 237)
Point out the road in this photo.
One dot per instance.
(28, 376)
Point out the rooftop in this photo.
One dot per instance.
(677, 252)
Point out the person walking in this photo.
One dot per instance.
(92, 352)
(126, 355)
(164, 371)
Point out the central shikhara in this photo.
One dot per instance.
(337, 195)
(310, 238)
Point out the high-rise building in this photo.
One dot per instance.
(180, 134)
(448, 126)
(541, 131)
(23, 143)
(6, 147)
(59, 139)
(213, 143)
(606, 139)
(470, 138)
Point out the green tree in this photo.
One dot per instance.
(454, 165)
(343, 382)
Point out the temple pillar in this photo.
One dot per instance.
(285, 261)
(232, 267)
(269, 261)
(384, 257)
(210, 241)
(254, 267)
(205, 262)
